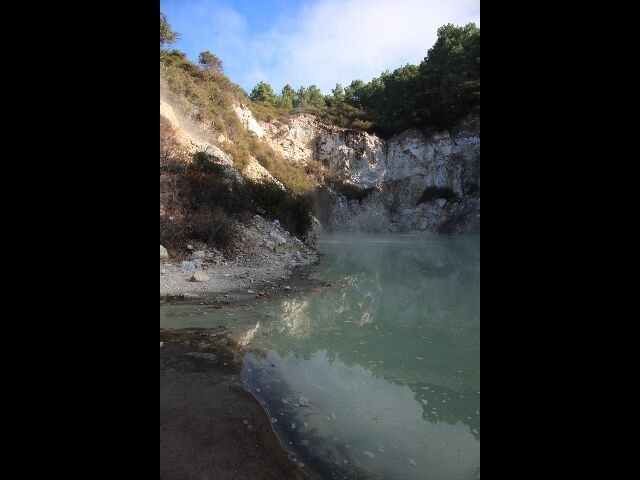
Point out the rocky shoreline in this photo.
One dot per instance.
(268, 260)
(211, 427)
(299, 280)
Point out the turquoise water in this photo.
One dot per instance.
(386, 360)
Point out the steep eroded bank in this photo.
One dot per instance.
(410, 182)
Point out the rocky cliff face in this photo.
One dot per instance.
(187, 133)
(377, 185)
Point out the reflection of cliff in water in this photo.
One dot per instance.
(409, 315)
(412, 277)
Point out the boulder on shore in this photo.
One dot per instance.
(199, 276)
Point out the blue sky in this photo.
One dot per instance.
(304, 42)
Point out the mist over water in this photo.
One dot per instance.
(386, 360)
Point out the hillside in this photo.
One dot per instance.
(227, 159)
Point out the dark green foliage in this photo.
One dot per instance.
(209, 62)
(308, 97)
(338, 94)
(293, 211)
(343, 115)
(263, 93)
(314, 97)
(172, 57)
(167, 36)
(285, 101)
(451, 74)
(432, 95)
(433, 193)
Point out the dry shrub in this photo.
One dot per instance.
(172, 152)
(212, 226)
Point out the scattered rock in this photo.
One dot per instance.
(163, 253)
(197, 263)
(269, 244)
(280, 240)
(258, 259)
(199, 276)
(204, 356)
(187, 265)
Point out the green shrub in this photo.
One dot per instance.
(293, 211)
(240, 154)
(267, 112)
(211, 100)
(212, 189)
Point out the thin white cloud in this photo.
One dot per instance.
(341, 40)
(210, 25)
(324, 42)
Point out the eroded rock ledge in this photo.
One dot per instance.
(379, 185)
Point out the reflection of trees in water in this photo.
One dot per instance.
(426, 295)
(459, 410)
(410, 280)
(321, 455)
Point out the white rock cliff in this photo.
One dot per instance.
(377, 184)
